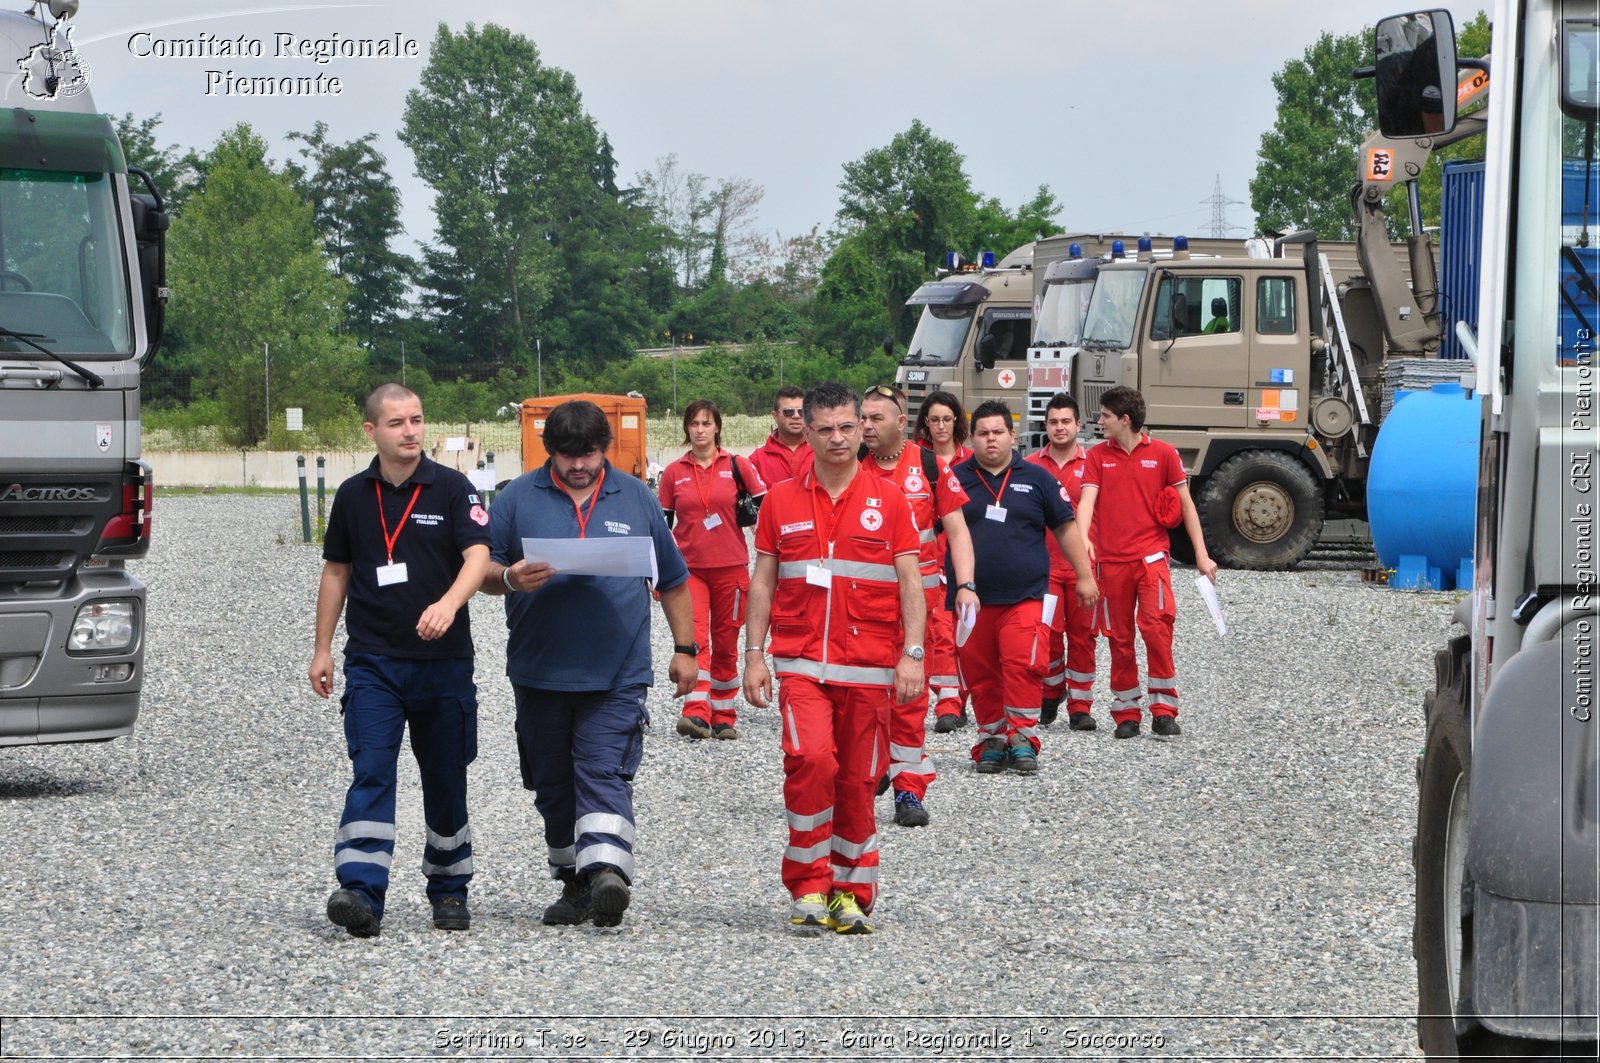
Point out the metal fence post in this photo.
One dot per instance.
(321, 482)
(305, 500)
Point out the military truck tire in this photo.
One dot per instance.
(1261, 509)
(1443, 882)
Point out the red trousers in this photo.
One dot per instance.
(1072, 649)
(834, 752)
(1137, 596)
(909, 766)
(943, 680)
(719, 596)
(1003, 665)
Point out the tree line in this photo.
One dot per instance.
(548, 268)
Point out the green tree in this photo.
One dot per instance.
(1306, 164)
(256, 289)
(175, 175)
(356, 208)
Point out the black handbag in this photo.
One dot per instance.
(746, 507)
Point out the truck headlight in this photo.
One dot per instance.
(103, 626)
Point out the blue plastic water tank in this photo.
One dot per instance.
(1422, 487)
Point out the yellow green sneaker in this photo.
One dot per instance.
(810, 909)
(846, 915)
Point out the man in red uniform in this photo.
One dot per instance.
(784, 456)
(1123, 485)
(1072, 658)
(837, 579)
(935, 496)
(1011, 506)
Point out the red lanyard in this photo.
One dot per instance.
(390, 540)
(983, 479)
(833, 517)
(583, 518)
(695, 466)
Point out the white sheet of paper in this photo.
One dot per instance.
(482, 479)
(1208, 592)
(1047, 609)
(966, 619)
(610, 555)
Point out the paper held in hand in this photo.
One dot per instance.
(1208, 592)
(966, 618)
(613, 555)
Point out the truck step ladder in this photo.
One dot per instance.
(1343, 375)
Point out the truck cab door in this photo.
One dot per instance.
(1196, 360)
(1000, 357)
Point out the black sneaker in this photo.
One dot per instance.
(993, 759)
(947, 723)
(574, 906)
(1128, 729)
(908, 810)
(1023, 758)
(1082, 721)
(725, 731)
(610, 894)
(1049, 709)
(1166, 725)
(353, 911)
(451, 913)
(693, 727)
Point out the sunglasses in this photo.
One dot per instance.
(792, 411)
(886, 392)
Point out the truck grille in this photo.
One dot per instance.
(43, 538)
(34, 560)
(36, 525)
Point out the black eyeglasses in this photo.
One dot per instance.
(885, 391)
(792, 411)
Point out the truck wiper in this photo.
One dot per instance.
(94, 379)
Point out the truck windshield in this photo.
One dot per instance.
(1113, 308)
(1061, 314)
(941, 332)
(62, 284)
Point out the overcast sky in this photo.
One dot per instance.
(1130, 111)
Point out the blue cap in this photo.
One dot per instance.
(1074, 250)
(1118, 250)
(1180, 243)
(1144, 244)
(988, 260)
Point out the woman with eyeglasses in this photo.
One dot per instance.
(698, 493)
(942, 427)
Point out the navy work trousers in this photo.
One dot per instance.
(438, 701)
(579, 752)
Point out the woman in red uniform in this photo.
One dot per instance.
(942, 426)
(698, 492)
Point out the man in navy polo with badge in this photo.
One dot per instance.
(1011, 504)
(579, 656)
(407, 545)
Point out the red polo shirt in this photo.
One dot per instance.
(929, 501)
(778, 463)
(1130, 484)
(847, 633)
(1070, 476)
(694, 494)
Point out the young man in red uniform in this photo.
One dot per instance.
(1011, 504)
(1123, 486)
(699, 495)
(1072, 658)
(908, 466)
(837, 580)
(784, 456)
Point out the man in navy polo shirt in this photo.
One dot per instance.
(407, 545)
(579, 656)
(1010, 505)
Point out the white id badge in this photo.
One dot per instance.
(818, 576)
(391, 574)
(1047, 609)
(713, 521)
(994, 512)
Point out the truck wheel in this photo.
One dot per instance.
(1442, 934)
(1261, 509)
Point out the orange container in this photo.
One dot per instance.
(627, 451)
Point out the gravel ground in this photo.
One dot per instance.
(1243, 891)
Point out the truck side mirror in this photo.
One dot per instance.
(988, 348)
(1416, 72)
(888, 346)
(150, 224)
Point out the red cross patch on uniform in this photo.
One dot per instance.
(871, 519)
(479, 515)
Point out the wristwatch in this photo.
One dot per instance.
(915, 653)
(967, 586)
(693, 649)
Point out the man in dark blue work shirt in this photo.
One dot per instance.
(1011, 504)
(407, 544)
(579, 656)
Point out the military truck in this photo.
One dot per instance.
(1507, 849)
(82, 294)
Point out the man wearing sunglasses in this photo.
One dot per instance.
(936, 497)
(784, 456)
